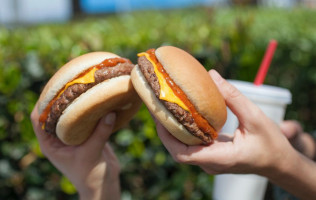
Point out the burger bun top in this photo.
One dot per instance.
(195, 82)
(68, 72)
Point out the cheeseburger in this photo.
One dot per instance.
(180, 93)
(82, 91)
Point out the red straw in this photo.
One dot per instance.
(265, 64)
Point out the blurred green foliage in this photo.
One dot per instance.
(232, 41)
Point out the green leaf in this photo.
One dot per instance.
(67, 186)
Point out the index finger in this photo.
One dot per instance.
(179, 151)
(245, 110)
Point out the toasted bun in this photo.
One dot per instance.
(67, 73)
(79, 119)
(81, 116)
(194, 81)
(159, 110)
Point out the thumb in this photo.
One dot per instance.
(102, 132)
(245, 110)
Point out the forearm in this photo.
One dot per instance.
(100, 185)
(110, 191)
(297, 175)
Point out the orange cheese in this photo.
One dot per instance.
(166, 93)
(87, 78)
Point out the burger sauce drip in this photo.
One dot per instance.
(199, 120)
(111, 62)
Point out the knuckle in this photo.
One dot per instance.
(180, 158)
(32, 116)
(258, 114)
(232, 92)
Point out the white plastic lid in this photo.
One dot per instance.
(263, 93)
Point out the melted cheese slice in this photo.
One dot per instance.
(87, 78)
(166, 93)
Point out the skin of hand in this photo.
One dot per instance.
(301, 141)
(258, 146)
(92, 166)
(246, 152)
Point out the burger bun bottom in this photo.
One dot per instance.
(81, 117)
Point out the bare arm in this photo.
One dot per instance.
(258, 146)
(301, 141)
(296, 174)
(92, 166)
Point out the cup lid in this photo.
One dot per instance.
(266, 93)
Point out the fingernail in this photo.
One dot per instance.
(215, 75)
(110, 118)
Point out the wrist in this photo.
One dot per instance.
(282, 164)
(110, 191)
(296, 176)
(98, 186)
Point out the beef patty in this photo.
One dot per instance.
(75, 90)
(183, 117)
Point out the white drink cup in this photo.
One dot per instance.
(272, 101)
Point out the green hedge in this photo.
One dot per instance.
(232, 41)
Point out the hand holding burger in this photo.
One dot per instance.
(92, 166)
(257, 147)
(80, 107)
(82, 91)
